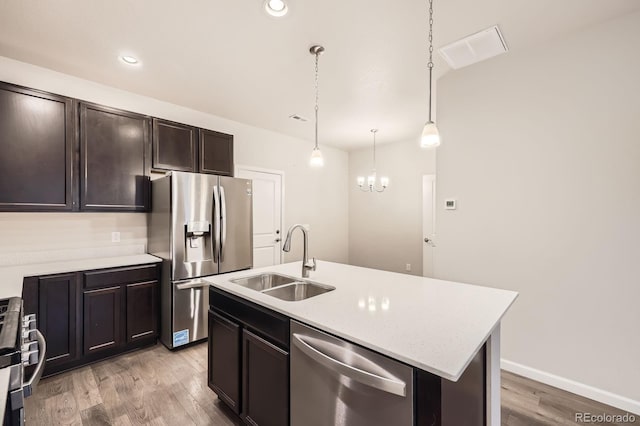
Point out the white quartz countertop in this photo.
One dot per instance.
(437, 326)
(11, 277)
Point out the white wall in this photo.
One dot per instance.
(542, 150)
(314, 196)
(385, 229)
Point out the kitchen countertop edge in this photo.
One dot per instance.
(12, 277)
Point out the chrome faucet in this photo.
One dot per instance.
(306, 265)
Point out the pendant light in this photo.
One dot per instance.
(372, 184)
(430, 135)
(316, 156)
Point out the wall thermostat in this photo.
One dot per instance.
(450, 204)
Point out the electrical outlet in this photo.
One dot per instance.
(115, 237)
(407, 267)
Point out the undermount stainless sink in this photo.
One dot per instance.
(263, 281)
(298, 291)
(283, 287)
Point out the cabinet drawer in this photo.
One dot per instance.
(261, 320)
(117, 276)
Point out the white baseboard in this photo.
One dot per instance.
(568, 385)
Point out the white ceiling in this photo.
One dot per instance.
(229, 58)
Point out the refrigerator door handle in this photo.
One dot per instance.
(216, 224)
(223, 226)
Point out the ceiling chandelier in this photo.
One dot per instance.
(430, 135)
(372, 184)
(316, 156)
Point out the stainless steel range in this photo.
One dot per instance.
(199, 225)
(21, 345)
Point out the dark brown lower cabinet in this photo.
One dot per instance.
(224, 360)
(265, 384)
(56, 314)
(142, 310)
(102, 316)
(249, 359)
(90, 315)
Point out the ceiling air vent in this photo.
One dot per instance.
(474, 48)
(298, 117)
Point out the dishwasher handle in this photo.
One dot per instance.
(390, 385)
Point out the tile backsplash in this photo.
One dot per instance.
(49, 237)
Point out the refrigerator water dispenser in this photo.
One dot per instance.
(197, 241)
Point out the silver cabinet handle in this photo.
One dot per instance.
(216, 223)
(223, 204)
(194, 284)
(29, 385)
(390, 385)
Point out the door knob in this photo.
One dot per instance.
(429, 241)
(426, 240)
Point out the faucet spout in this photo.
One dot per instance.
(306, 265)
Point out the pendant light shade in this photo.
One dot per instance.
(430, 136)
(316, 158)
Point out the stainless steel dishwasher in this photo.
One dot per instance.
(336, 383)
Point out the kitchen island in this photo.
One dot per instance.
(437, 327)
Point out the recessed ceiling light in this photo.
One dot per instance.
(129, 60)
(276, 7)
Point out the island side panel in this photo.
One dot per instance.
(464, 401)
(442, 402)
(493, 377)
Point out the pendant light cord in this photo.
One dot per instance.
(430, 64)
(374, 149)
(317, 96)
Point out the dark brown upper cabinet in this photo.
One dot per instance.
(216, 153)
(175, 146)
(114, 152)
(37, 139)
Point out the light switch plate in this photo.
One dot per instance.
(115, 237)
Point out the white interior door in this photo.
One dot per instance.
(428, 223)
(267, 214)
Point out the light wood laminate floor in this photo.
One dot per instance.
(158, 387)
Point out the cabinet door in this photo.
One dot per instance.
(175, 146)
(57, 313)
(265, 384)
(114, 147)
(224, 360)
(102, 313)
(142, 311)
(216, 153)
(37, 140)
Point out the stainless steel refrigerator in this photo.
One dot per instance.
(199, 225)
